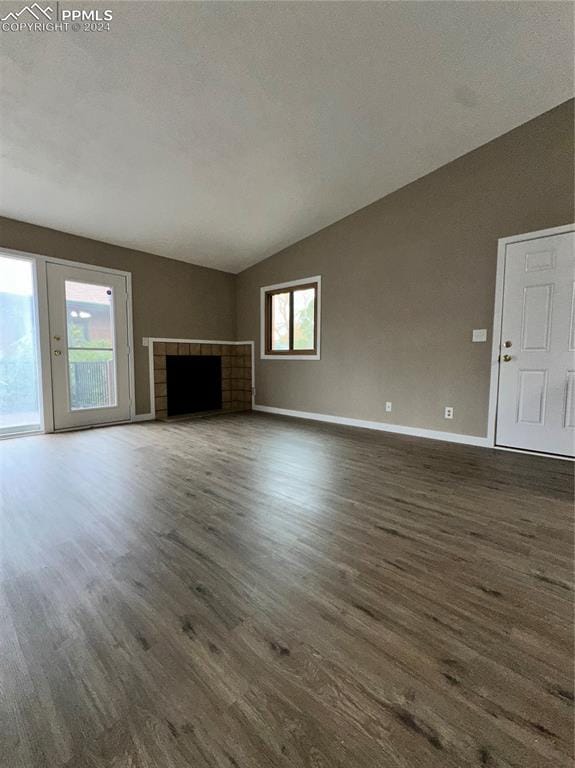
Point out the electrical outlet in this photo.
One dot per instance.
(388, 407)
(448, 412)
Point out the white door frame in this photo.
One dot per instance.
(40, 273)
(497, 326)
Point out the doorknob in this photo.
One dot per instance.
(506, 358)
(57, 352)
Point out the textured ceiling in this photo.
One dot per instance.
(219, 133)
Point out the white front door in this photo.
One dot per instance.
(89, 346)
(536, 405)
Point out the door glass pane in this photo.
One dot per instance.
(303, 318)
(280, 321)
(92, 378)
(91, 359)
(19, 370)
(89, 315)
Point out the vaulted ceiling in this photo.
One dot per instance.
(221, 132)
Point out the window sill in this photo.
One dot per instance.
(290, 357)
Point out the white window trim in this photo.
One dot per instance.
(289, 284)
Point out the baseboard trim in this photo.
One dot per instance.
(430, 434)
(143, 417)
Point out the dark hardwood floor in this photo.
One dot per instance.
(248, 591)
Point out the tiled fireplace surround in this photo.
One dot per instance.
(236, 372)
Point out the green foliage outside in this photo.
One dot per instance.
(304, 326)
(77, 338)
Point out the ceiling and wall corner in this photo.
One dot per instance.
(220, 133)
(407, 279)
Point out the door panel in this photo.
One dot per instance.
(89, 346)
(569, 420)
(536, 387)
(532, 395)
(572, 331)
(537, 303)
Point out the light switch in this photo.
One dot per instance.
(146, 342)
(479, 334)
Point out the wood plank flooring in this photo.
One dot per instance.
(255, 592)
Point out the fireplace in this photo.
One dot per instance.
(200, 377)
(194, 384)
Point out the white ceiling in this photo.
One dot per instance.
(219, 133)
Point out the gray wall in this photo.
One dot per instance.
(406, 279)
(170, 298)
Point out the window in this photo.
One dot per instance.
(290, 320)
(90, 326)
(20, 389)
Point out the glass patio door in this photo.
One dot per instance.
(88, 346)
(20, 400)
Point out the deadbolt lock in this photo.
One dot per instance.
(507, 344)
